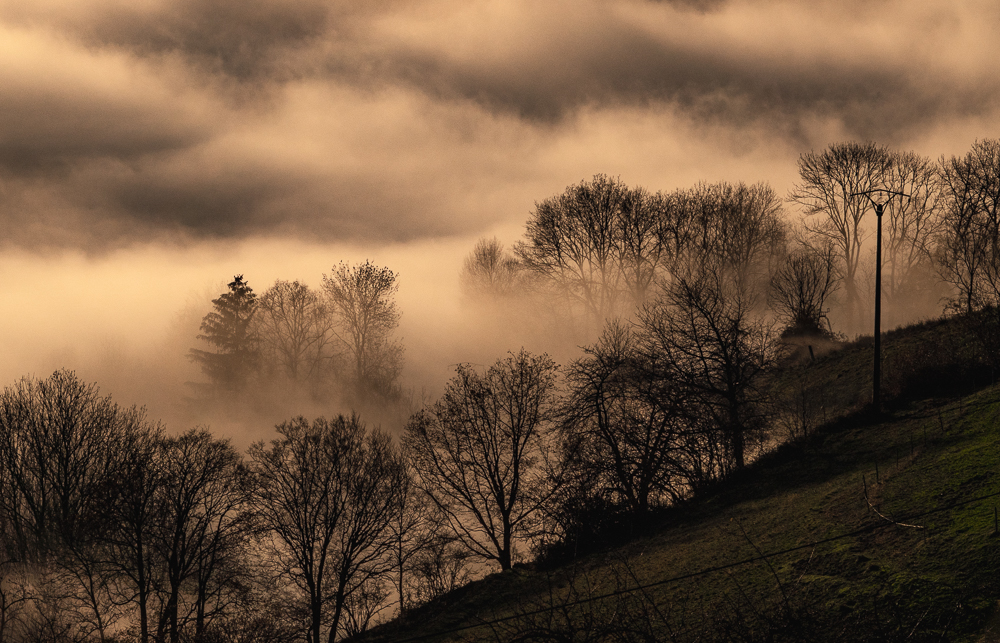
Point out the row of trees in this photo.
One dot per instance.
(601, 247)
(517, 457)
(112, 530)
(339, 337)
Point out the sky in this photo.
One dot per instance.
(151, 149)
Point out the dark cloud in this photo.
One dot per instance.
(50, 138)
(547, 73)
(246, 40)
(391, 120)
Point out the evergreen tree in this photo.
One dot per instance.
(229, 328)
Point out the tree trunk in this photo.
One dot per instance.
(317, 619)
(504, 557)
(338, 606)
(199, 626)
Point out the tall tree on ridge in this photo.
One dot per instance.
(230, 329)
(360, 298)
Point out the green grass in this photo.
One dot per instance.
(932, 462)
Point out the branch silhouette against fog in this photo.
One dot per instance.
(134, 517)
(326, 491)
(830, 193)
(600, 243)
(204, 516)
(361, 300)
(61, 447)
(718, 350)
(800, 289)
(913, 225)
(64, 454)
(481, 452)
(294, 330)
(604, 245)
(627, 422)
(969, 248)
(736, 226)
(490, 271)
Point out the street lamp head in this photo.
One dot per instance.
(879, 204)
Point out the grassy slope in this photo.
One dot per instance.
(924, 463)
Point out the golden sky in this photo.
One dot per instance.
(151, 149)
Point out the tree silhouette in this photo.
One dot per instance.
(489, 271)
(229, 328)
(203, 517)
(480, 451)
(326, 491)
(601, 243)
(830, 192)
(294, 330)
(800, 288)
(716, 351)
(736, 227)
(365, 315)
(630, 424)
(969, 252)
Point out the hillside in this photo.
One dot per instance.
(864, 529)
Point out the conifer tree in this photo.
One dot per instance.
(230, 330)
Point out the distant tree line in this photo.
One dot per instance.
(340, 338)
(603, 249)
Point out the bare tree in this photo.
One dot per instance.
(294, 330)
(326, 491)
(630, 423)
(600, 243)
(60, 447)
(969, 246)
(203, 518)
(133, 518)
(604, 245)
(829, 193)
(480, 451)
(490, 271)
(715, 349)
(800, 289)
(15, 597)
(737, 227)
(440, 566)
(63, 453)
(913, 224)
(360, 298)
(414, 525)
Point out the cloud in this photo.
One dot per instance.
(390, 121)
(247, 40)
(61, 104)
(879, 69)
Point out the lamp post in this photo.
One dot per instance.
(879, 206)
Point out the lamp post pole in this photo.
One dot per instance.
(877, 374)
(877, 365)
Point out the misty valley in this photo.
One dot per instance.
(709, 337)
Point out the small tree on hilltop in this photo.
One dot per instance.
(800, 288)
